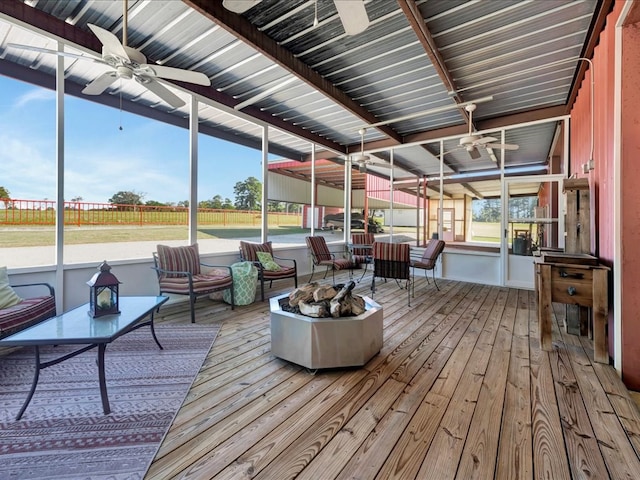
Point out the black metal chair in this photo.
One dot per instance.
(428, 261)
(392, 260)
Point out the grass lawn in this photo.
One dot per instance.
(35, 237)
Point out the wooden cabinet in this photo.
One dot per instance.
(574, 280)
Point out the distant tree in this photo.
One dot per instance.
(489, 211)
(127, 198)
(5, 195)
(276, 206)
(183, 203)
(216, 202)
(248, 194)
(154, 203)
(522, 207)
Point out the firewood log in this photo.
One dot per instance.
(324, 292)
(340, 305)
(304, 293)
(357, 305)
(315, 310)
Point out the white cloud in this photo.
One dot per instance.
(34, 95)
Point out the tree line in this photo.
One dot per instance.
(248, 196)
(490, 210)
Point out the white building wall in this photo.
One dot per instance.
(403, 217)
(293, 190)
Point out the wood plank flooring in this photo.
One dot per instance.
(460, 390)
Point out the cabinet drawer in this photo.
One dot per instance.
(578, 275)
(572, 291)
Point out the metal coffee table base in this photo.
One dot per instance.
(81, 329)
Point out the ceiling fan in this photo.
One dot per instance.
(362, 160)
(129, 63)
(352, 13)
(472, 141)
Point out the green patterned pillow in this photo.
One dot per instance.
(267, 261)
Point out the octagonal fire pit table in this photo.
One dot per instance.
(317, 343)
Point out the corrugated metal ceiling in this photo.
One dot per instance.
(315, 83)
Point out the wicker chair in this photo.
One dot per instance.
(321, 255)
(287, 266)
(179, 273)
(428, 261)
(392, 260)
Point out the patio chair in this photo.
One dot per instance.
(321, 255)
(179, 273)
(392, 260)
(428, 261)
(278, 269)
(362, 255)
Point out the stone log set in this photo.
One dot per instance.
(319, 301)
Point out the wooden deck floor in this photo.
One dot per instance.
(459, 390)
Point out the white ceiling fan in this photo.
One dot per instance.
(472, 141)
(129, 63)
(352, 13)
(362, 160)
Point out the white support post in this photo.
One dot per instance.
(59, 241)
(392, 179)
(346, 231)
(193, 170)
(313, 189)
(265, 184)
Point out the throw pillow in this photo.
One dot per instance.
(8, 298)
(179, 259)
(267, 261)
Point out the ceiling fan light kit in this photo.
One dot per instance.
(472, 141)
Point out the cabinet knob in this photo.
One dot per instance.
(571, 291)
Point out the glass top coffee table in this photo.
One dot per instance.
(78, 327)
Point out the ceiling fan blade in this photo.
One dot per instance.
(239, 6)
(380, 164)
(506, 146)
(53, 52)
(179, 74)
(474, 153)
(109, 41)
(483, 140)
(162, 92)
(100, 84)
(353, 15)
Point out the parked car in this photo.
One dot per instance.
(336, 221)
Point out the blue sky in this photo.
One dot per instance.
(147, 157)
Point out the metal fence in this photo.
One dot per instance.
(43, 213)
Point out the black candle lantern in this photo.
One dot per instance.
(103, 292)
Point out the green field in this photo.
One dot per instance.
(44, 236)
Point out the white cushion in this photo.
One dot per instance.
(8, 298)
